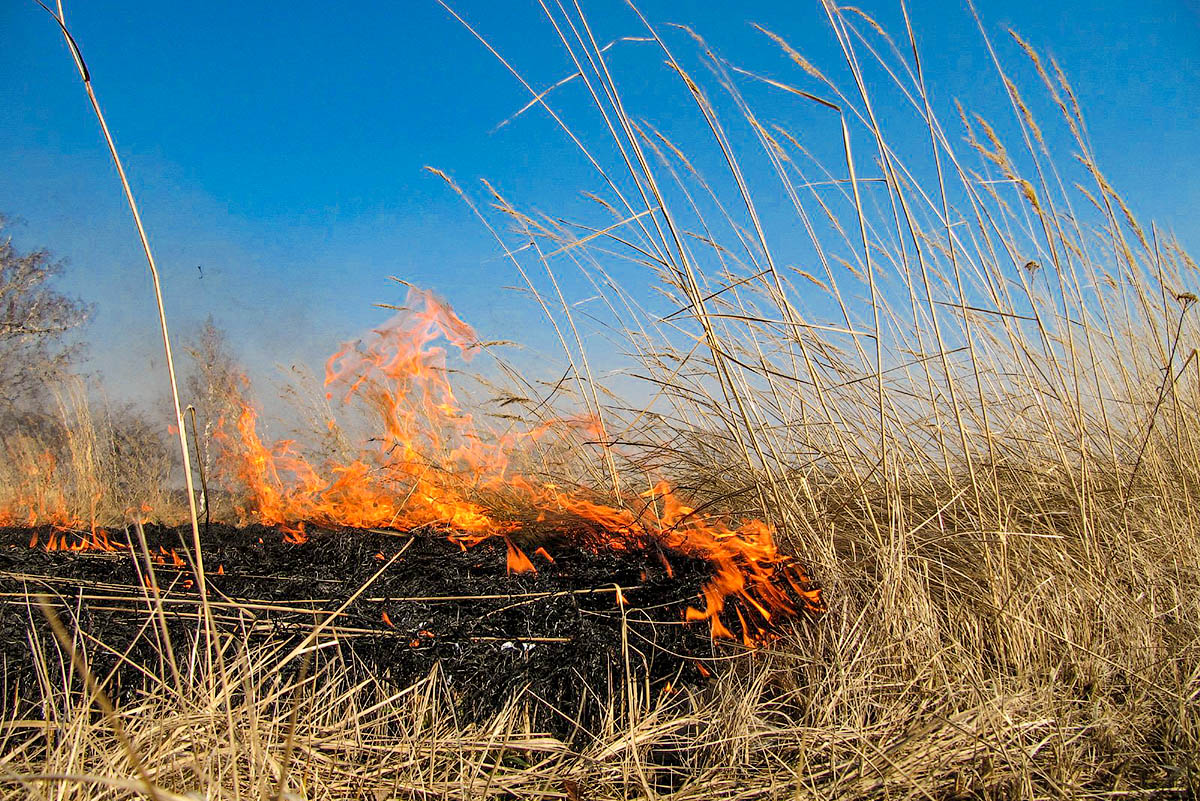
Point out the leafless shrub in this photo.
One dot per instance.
(34, 317)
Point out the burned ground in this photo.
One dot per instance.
(557, 633)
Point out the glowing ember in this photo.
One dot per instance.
(432, 467)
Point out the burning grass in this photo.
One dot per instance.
(977, 432)
(432, 466)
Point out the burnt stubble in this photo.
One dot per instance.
(556, 634)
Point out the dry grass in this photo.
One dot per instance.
(83, 463)
(970, 405)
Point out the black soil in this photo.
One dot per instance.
(556, 633)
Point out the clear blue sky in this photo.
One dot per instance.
(280, 146)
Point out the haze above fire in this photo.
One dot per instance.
(280, 168)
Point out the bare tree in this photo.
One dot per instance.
(215, 386)
(34, 317)
(215, 382)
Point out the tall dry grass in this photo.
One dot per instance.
(82, 463)
(969, 402)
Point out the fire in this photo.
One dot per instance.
(167, 558)
(61, 540)
(428, 461)
(38, 499)
(518, 562)
(431, 466)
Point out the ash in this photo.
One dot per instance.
(565, 636)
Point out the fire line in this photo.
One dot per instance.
(433, 467)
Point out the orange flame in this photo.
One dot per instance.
(432, 467)
(38, 500)
(59, 540)
(518, 562)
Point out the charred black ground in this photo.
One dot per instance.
(556, 633)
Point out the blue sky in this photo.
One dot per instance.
(277, 150)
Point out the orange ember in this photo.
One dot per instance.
(431, 466)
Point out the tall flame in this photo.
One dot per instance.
(432, 466)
